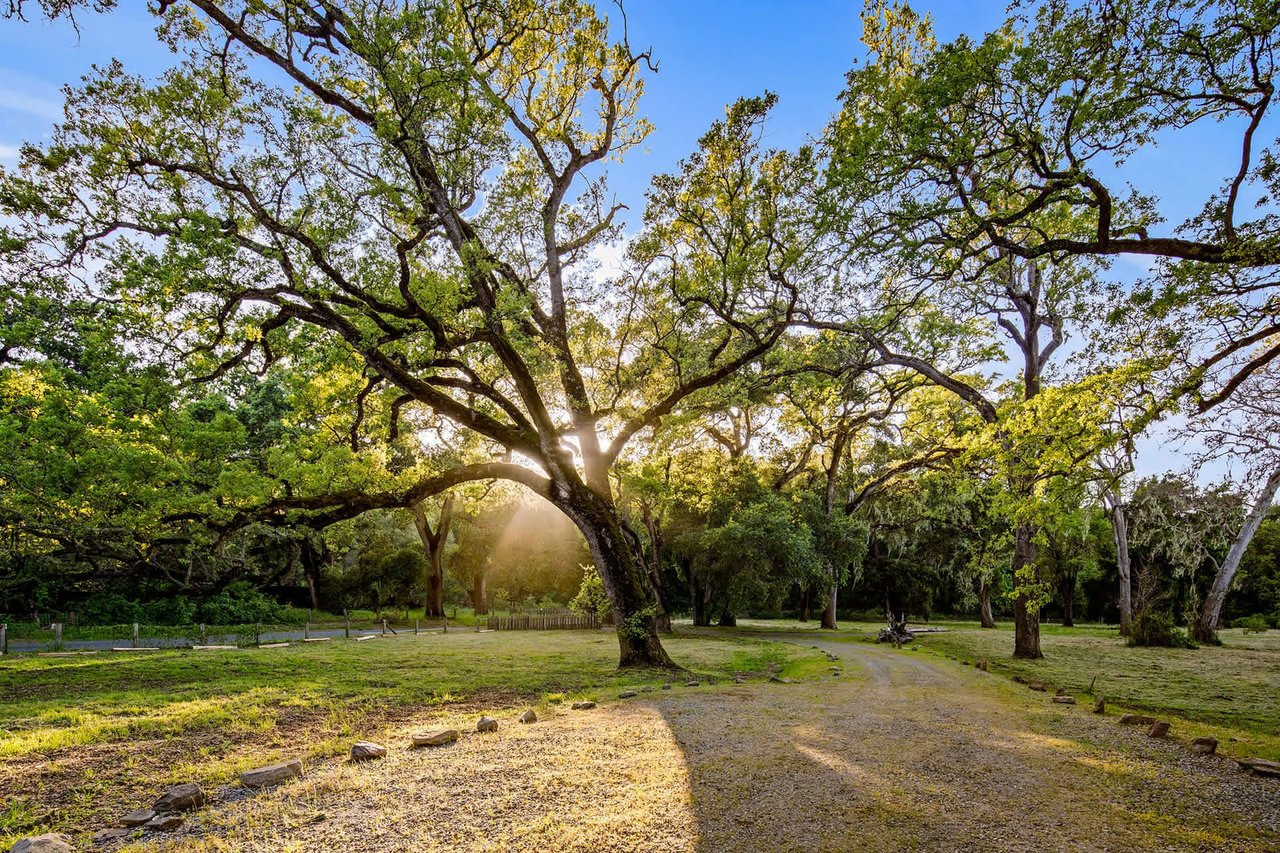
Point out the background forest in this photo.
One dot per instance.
(376, 336)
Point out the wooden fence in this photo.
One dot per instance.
(542, 622)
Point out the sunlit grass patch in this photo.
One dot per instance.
(83, 740)
(1228, 692)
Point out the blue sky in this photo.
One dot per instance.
(709, 51)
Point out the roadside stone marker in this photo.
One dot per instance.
(1204, 746)
(138, 817)
(272, 774)
(52, 842)
(180, 798)
(106, 836)
(367, 750)
(435, 737)
(164, 822)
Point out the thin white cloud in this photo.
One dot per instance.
(20, 93)
(23, 102)
(8, 152)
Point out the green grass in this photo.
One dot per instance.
(1231, 692)
(52, 703)
(72, 723)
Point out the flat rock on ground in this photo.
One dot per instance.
(138, 817)
(367, 750)
(272, 774)
(1204, 746)
(1261, 766)
(180, 798)
(907, 753)
(51, 842)
(164, 822)
(115, 833)
(435, 737)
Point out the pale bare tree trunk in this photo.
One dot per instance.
(1206, 628)
(1120, 532)
(829, 505)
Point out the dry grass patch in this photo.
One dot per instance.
(84, 740)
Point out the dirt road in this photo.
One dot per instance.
(897, 751)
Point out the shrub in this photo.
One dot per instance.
(1256, 624)
(108, 608)
(1156, 628)
(591, 598)
(241, 604)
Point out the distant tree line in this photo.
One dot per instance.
(321, 308)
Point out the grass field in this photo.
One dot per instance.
(1231, 692)
(86, 738)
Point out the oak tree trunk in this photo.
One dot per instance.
(479, 597)
(829, 612)
(654, 565)
(985, 614)
(1026, 618)
(433, 542)
(699, 597)
(623, 573)
(311, 570)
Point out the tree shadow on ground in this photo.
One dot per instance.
(908, 754)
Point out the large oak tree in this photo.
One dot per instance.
(418, 188)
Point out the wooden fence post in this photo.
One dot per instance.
(4, 638)
(384, 627)
(204, 635)
(135, 635)
(57, 636)
(446, 624)
(306, 630)
(415, 627)
(346, 623)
